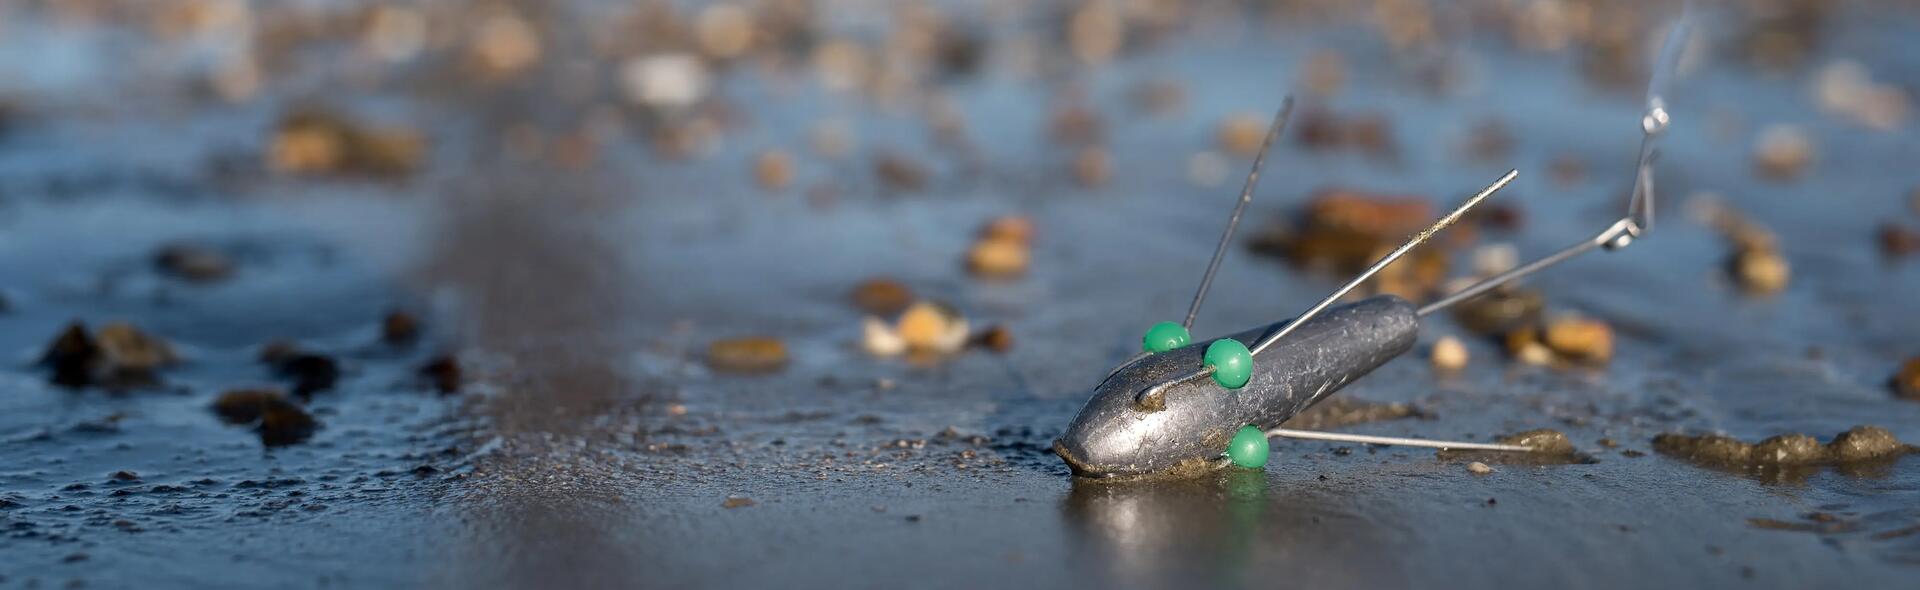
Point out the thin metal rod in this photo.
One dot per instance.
(1516, 273)
(1397, 441)
(1638, 221)
(1413, 242)
(1151, 397)
(1233, 221)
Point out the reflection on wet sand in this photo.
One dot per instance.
(1250, 531)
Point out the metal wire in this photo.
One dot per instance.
(1233, 221)
(1394, 440)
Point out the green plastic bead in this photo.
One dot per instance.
(1231, 361)
(1249, 448)
(1165, 336)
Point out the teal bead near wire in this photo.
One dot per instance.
(1165, 336)
(1248, 448)
(1232, 363)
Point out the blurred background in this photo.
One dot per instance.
(799, 292)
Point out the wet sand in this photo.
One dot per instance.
(593, 447)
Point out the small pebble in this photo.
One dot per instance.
(399, 328)
(933, 327)
(1449, 354)
(1782, 152)
(245, 406)
(194, 263)
(1760, 271)
(1478, 468)
(879, 339)
(1500, 310)
(443, 372)
(1075, 124)
(1523, 345)
(311, 373)
(751, 354)
(882, 296)
(1906, 382)
(898, 173)
(1897, 241)
(998, 259)
(736, 502)
(773, 170)
(1581, 340)
(126, 348)
(283, 422)
(1241, 134)
(996, 338)
(1093, 167)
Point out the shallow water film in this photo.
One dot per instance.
(802, 293)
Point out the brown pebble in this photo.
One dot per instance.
(773, 170)
(1242, 133)
(127, 348)
(996, 338)
(310, 372)
(998, 259)
(1760, 271)
(1864, 442)
(1581, 340)
(1478, 468)
(1076, 124)
(736, 502)
(245, 406)
(1500, 310)
(752, 354)
(283, 422)
(117, 355)
(1788, 449)
(899, 173)
(191, 262)
(443, 372)
(1545, 441)
(315, 142)
(1092, 167)
(1906, 383)
(1897, 241)
(931, 327)
(399, 328)
(72, 355)
(882, 296)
